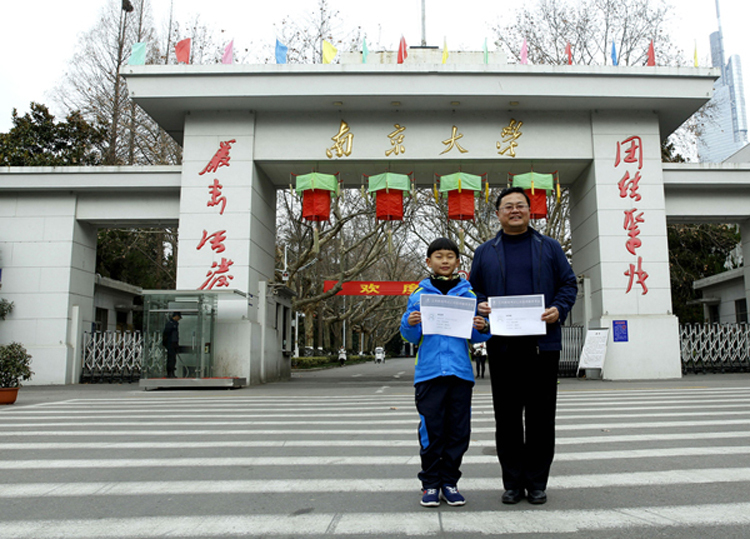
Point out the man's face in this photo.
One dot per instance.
(514, 213)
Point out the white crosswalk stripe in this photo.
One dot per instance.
(628, 463)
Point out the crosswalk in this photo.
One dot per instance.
(635, 463)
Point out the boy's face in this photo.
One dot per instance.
(443, 262)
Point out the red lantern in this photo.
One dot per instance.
(316, 205)
(461, 205)
(538, 200)
(389, 205)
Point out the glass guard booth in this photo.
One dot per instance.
(198, 310)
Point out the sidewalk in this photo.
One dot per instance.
(395, 376)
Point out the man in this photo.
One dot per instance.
(171, 340)
(520, 261)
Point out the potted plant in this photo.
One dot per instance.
(15, 366)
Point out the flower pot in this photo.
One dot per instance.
(8, 395)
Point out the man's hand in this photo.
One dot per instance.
(479, 323)
(550, 315)
(484, 308)
(414, 318)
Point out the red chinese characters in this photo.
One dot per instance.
(216, 198)
(630, 152)
(220, 158)
(219, 274)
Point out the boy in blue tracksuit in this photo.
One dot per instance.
(443, 380)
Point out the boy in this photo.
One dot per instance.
(443, 380)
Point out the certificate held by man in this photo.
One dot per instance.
(513, 316)
(447, 315)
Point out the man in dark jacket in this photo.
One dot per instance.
(171, 340)
(520, 261)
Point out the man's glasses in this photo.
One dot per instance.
(507, 208)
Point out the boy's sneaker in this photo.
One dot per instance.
(452, 496)
(430, 497)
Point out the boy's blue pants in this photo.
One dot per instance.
(444, 406)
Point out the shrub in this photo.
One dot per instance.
(15, 365)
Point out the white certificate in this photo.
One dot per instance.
(517, 315)
(447, 315)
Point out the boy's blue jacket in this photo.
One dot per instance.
(439, 355)
(552, 276)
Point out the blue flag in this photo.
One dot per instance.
(138, 55)
(281, 50)
(614, 54)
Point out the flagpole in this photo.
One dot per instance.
(424, 30)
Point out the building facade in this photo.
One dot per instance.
(246, 129)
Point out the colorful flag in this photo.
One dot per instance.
(329, 52)
(182, 51)
(365, 52)
(651, 55)
(402, 54)
(486, 52)
(614, 54)
(281, 50)
(137, 54)
(228, 57)
(695, 55)
(445, 49)
(569, 52)
(524, 52)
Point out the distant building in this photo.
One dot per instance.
(724, 131)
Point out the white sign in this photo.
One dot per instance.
(452, 316)
(594, 349)
(513, 316)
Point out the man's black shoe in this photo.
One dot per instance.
(512, 496)
(537, 497)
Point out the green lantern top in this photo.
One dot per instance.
(540, 181)
(317, 180)
(388, 180)
(460, 180)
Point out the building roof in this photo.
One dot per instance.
(169, 93)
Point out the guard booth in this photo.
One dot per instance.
(195, 366)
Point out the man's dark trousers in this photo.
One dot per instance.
(524, 385)
(444, 406)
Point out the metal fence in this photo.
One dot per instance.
(572, 344)
(111, 356)
(708, 348)
(704, 348)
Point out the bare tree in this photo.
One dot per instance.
(590, 26)
(93, 85)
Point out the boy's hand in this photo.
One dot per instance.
(479, 323)
(414, 318)
(484, 308)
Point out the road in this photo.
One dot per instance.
(335, 453)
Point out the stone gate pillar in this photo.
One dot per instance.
(227, 231)
(618, 222)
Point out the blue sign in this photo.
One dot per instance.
(620, 330)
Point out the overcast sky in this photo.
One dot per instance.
(35, 55)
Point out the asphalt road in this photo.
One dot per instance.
(335, 453)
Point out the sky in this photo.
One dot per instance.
(42, 51)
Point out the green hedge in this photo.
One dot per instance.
(317, 362)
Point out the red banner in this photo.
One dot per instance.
(373, 288)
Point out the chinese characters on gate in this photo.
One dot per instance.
(629, 161)
(343, 141)
(218, 274)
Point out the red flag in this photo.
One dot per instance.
(569, 52)
(402, 54)
(651, 56)
(182, 51)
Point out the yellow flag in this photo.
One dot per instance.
(329, 52)
(445, 50)
(695, 55)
